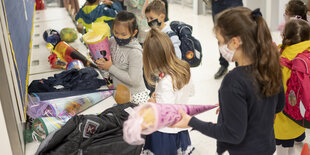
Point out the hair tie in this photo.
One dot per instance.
(256, 13)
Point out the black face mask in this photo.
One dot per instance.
(122, 42)
(155, 23)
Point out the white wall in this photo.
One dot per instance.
(5, 146)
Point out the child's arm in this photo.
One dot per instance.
(133, 76)
(176, 43)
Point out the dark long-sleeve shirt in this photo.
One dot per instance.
(245, 121)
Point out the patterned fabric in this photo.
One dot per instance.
(141, 98)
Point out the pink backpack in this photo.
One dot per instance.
(297, 97)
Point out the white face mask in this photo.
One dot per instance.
(308, 18)
(227, 53)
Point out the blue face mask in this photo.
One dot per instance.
(122, 42)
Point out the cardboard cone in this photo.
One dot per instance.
(150, 117)
(97, 41)
(305, 150)
(122, 94)
(67, 106)
(45, 125)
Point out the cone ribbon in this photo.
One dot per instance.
(150, 117)
(68, 106)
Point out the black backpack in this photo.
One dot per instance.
(190, 47)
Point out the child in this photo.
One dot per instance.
(137, 7)
(155, 14)
(295, 8)
(92, 12)
(251, 93)
(125, 66)
(173, 86)
(296, 36)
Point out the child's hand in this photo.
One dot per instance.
(103, 64)
(183, 123)
(153, 98)
(218, 109)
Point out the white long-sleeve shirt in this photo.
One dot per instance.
(166, 94)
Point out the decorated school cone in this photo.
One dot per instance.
(122, 94)
(97, 40)
(45, 125)
(68, 53)
(67, 106)
(150, 117)
(305, 150)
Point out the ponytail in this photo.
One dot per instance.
(257, 45)
(267, 68)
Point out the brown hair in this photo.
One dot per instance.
(157, 6)
(256, 45)
(296, 8)
(127, 18)
(159, 56)
(295, 31)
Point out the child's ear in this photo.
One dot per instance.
(162, 17)
(134, 33)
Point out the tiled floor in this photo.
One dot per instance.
(206, 87)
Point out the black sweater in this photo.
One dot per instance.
(245, 121)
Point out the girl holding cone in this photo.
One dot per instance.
(251, 93)
(172, 86)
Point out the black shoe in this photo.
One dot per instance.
(222, 71)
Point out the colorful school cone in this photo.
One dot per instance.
(45, 125)
(68, 106)
(68, 53)
(97, 40)
(305, 150)
(122, 94)
(150, 117)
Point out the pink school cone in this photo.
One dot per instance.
(165, 115)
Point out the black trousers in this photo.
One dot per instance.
(219, 6)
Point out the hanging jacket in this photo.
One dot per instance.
(91, 135)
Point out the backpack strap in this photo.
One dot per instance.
(286, 62)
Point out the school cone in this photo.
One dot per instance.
(150, 117)
(67, 106)
(45, 125)
(305, 150)
(122, 94)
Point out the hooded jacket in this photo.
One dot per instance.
(127, 65)
(89, 14)
(91, 135)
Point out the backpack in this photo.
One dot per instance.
(297, 96)
(190, 47)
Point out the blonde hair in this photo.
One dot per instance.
(159, 56)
